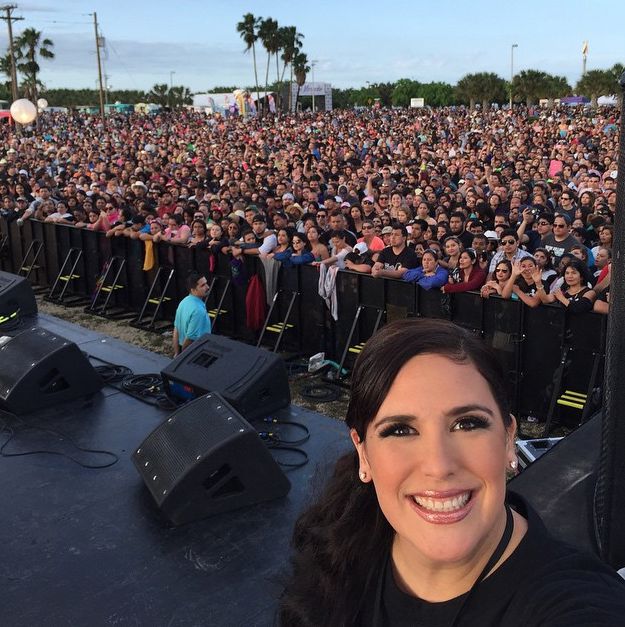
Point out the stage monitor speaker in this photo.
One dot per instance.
(206, 459)
(253, 380)
(16, 296)
(39, 368)
(560, 485)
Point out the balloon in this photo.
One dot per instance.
(23, 111)
(42, 103)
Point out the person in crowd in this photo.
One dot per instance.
(560, 241)
(467, 276)
(495, 286)
(301, 251)
(576, 296)
(394, 260)
(192, 320)
(318, 249)
(543, 261)
(431, 275)
(603, 258)
(453, 248)
(521, 282)
(199, 234)
(282, 249)
(339, 250)
(428, 534)
(508, 250)
(369, 238)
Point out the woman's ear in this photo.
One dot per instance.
(364, 471)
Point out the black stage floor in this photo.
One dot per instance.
(88, 547)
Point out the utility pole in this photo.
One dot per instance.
(584, 56)
(97, 48)
(312, 67)
(9, 19)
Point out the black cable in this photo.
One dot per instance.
(290, 449)
(5, 428)
(113, 374)
(320, 392)
(275, 437)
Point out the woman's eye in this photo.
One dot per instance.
(470, 423)
(397, 430)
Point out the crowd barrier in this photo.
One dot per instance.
(544, 351)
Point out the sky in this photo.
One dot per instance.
(352, 42)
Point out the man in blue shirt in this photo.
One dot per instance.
(192, 321)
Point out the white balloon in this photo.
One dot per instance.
(23, 111)
(42, 103)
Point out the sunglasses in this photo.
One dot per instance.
(367, 228)
(508, 241)
(543, 223)
(501, 270)
(560, 226)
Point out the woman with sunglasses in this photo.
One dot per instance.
(496, 285)
(543, 261)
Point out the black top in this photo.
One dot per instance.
(407, 258)
(543, 583)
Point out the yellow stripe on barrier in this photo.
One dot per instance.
(156, 301)
(110, 288)
(68, 277)
(579, 394)
(570, 404)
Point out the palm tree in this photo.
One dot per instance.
(556, 87)
(28, 47)
(484, 86)
(595, 83)
(248, 30)
(5, 69)
(268, 33)
(179, 96)
(291, 42)
(617, 71)
(159, 94)
(300, 69)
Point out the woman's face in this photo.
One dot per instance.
(502, 273)
(402, 217)
(198, 230)
(233, 230)
(283, 238)
(355, 212)
(572, 277)
(297, 244)
(215, 231)
(313, 234)
(527, 267)
(396, 200)
(605, 236)
(438, 462)
(541, 259)
(452, 247)
(465, 260)
(428, 262)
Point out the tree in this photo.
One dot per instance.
(300, 69)
(159, 94)
(617, 71)
(484, 86)
(290, 44)
(269, 35)
(556, 87)
(595, 83)
(248, 30)
(179, 96)
(404, 90)
(5, 69)
(30, 46)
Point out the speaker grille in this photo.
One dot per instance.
(173, 448)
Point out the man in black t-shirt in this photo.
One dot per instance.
(394, 260)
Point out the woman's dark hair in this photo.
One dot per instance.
(342, 541)
(581, 267)
(504, 262)
(199, 222)
(304, 238)
(549, 263)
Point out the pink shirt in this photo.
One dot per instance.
(376, 243)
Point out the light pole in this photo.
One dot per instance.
(312, 67)
(512, 69)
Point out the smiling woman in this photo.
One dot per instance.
(415, 526)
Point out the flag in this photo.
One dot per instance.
(585, 48)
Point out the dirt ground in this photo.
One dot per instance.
(161, 343)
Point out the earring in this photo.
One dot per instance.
(363, 476)
(513, 464)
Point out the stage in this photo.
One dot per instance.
(84, 546)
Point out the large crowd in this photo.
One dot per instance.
(515, 203)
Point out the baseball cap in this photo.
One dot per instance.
(386, 230)
(368, 199)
